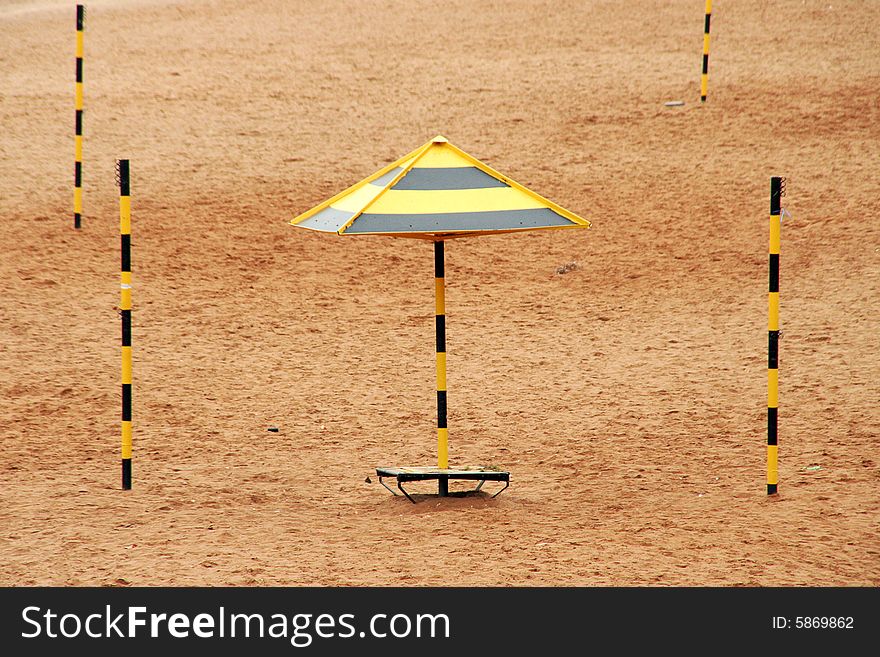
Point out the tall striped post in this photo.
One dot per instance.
(704, 81)
(125, 313)
(773, 339)
(440, 307)
(77, 167)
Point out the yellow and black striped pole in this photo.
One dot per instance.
(125, 313)
(773, 341)
(440, 306)
(704, 81)
(77, 171)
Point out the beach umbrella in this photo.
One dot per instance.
(437, 192)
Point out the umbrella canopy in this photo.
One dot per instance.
(437, 192)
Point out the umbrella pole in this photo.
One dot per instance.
(440, 305)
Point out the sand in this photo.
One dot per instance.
(627, 396)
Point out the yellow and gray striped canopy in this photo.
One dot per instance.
(436, 192)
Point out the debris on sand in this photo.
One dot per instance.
(567, 267)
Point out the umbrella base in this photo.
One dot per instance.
(442, 475)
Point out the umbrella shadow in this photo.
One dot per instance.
(456, 500)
